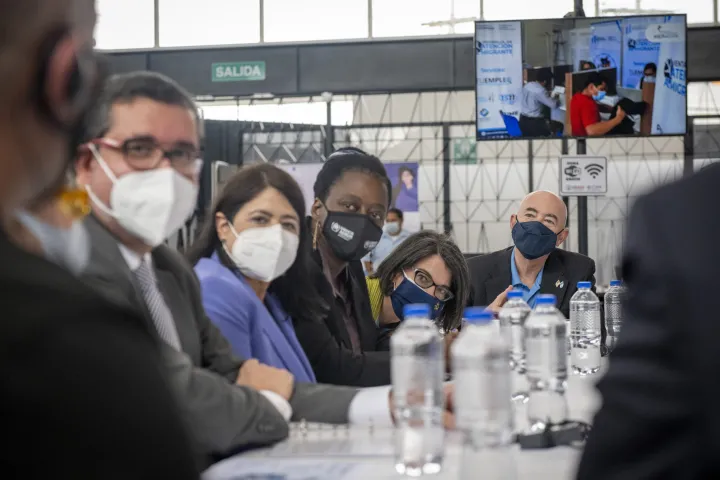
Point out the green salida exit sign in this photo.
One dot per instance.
(238, 71)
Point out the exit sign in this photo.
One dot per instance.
(238, 71)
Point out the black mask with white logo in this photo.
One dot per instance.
(351, 236)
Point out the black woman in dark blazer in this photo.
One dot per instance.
(352, 195)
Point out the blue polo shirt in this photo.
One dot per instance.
(529, 294)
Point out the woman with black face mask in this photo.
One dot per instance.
(352, 195)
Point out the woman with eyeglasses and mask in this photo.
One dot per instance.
(427, 268)
(252, 260)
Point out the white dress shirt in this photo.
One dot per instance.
(371, 406)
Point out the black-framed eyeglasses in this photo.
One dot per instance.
(146, 153)
(423, 280)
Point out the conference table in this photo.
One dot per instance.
(326, 452)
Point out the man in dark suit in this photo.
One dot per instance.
(534, 264)
(83, 390)
(139, 166)
(659, 415)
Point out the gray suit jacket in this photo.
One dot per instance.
(223, 416)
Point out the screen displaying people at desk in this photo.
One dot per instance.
(525, 91)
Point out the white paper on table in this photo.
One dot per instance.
(242, 468)
(334, 447)
(320, 440)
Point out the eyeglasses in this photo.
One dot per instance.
(423, 280)
(146, 153)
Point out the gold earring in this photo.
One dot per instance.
(315, 235)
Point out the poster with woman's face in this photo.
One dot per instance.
(403, 177)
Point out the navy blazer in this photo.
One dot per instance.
(263, 331)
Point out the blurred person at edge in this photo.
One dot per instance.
(71, 362)
(392, 236)
(139, 166)
(658, 417)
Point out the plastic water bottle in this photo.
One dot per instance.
(418, 368)
(585, 320)
(512, 319)
(613, 312)
(568, 340)
(512, 323)
(546, 364)
(484, 413)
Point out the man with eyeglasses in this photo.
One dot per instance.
(140, 168)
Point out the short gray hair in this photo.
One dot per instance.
(128, 87)
(421, 245)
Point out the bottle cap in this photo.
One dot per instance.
(478, 315)
(515, 294)
(546, 299)
(615, 283)
(584, 284)
(416, 310)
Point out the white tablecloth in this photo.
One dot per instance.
(355, 453)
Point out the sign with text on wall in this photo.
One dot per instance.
(582, 175)
(238, 71)
(498, 77)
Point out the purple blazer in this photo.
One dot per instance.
(254, 329)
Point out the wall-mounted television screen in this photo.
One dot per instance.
(581, 77)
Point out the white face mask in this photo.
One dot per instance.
(264, 253)
(392, 228)
(150, 204)
(69, 248)
(649, 79)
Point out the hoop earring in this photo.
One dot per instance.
(315, 235)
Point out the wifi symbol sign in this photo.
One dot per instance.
(594, 169)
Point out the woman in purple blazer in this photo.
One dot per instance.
(254, 281)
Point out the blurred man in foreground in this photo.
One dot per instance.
(659, 415)
(72, 365)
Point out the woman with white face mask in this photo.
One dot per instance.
(252, 270)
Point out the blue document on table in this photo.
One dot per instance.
(239, 468)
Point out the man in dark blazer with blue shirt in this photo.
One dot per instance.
(534, 264)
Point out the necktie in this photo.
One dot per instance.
(159, 311)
